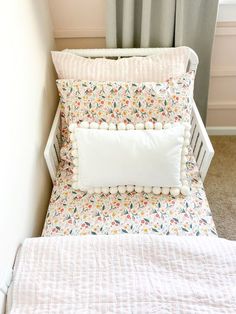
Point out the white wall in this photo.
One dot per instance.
(79, 23)
(221, 118)
(78, 18)
(227, 11)
(28, 103)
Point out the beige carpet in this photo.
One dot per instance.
(220, 185)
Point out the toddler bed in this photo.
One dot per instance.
(77, 213)
(118, 271)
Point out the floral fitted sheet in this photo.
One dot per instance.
(73, 212)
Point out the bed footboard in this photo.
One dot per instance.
(200, 143)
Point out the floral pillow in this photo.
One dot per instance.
(122, 102)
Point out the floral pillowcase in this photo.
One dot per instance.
(121, 102)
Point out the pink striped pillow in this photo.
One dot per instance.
(170, 62)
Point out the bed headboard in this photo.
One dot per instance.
(132, 52)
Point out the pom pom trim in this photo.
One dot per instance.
(184, 189)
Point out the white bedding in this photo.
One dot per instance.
(125, 274)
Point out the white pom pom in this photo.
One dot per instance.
(130, 188)
(130, 126)
(113, 190)
(139, 126)
(90, 191)
(186, 142)
(158, 126)
(74, 145)
(122, 189)
(72, 127)
(75, 186)
(112, 126)
(72, 138)
(156, 190)
(94, 125)
(105, 190)
(148, 125)
(185, 182)
(185, 190)
(75, 170)
(187, 126)
(121, 126)
(180, 139)
(165, 190)
(76, 131)
(187, 134)
(104, 126)
(83, 189)
(138, 188)
(147, 189)
(174, 191)
(97, 190)
(76, 161)
(75, 178)
(167, 126)
(74, 153)
(84, 125)
(185, 151)
(176, 124)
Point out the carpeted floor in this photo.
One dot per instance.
(220, 185)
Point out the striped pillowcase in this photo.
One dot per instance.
(170, 62)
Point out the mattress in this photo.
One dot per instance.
(73, 212)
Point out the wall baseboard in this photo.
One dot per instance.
(221, 130)
(225, 31)
(79, 32)
(226, 105)
(223, 71)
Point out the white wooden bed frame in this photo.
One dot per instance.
(200, 142)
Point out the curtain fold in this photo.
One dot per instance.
(166, 23)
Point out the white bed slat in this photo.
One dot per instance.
(197, 147)
(57, 146)
(194, 138)
(193, 130)
(200, 157)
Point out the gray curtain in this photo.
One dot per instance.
(166, 23)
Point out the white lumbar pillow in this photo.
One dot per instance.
(126, 159)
